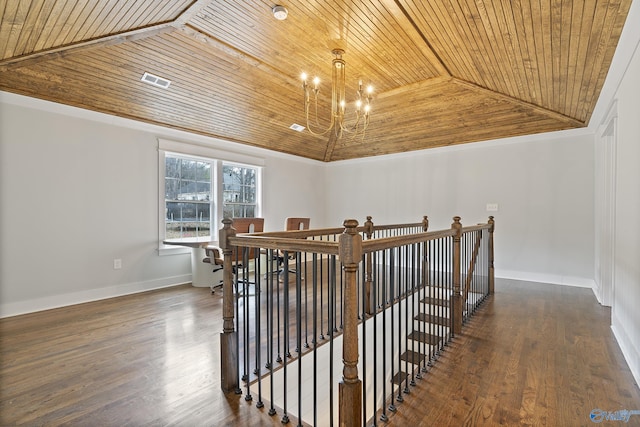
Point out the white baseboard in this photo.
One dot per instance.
(63, 300)
(552, 279)
(630, 353)
(56, 301)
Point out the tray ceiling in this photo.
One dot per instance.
(445, 72)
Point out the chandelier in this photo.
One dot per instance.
(358, 121)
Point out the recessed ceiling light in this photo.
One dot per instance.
(297, 127)
(155, 80)
(280, 12)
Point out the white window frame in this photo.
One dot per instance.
(218, 158)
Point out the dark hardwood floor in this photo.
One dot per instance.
(533, 354)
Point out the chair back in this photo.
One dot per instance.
(291, 224)
(214, 255)
(247, 225)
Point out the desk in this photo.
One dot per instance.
(202, 275)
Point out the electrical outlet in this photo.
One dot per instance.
(492, 207)
(117, 264)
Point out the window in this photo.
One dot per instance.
(188, 201)
(240, 191)
(199, 185)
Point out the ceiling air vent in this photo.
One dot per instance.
(155, 80)
(297, 127)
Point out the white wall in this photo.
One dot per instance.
(79, 189)
(543, 186)
(625, 313)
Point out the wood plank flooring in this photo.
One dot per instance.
(532, 355)
(145, 359)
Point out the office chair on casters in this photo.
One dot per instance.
(215, 258)
(291, 224)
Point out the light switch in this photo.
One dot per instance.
(492, 207)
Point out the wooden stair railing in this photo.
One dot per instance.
(356, 246)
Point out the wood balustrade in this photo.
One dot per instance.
(360, 250)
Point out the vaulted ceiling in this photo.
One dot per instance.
(444, 71)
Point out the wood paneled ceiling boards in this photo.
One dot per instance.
(445, 72)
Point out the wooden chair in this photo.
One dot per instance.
(291, 224)
(245, 225)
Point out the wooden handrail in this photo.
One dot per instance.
(395, 241)
(284, 244)
(294, 241)
(297, 234)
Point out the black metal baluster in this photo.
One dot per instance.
(315, 335)
(279, 356)
(306, 302)
(376, 312)
(258, 340)
(239, 328)
(407, 290)
(427, 284)
(331, 320)
(399, 397)
(299, 334)
(364, 338)
(270, 296)
(247, 321)
(384, 417)
(435, 282)
(335, 295)
(285, 275)
(287, 331)
(418, 284)
(322, 294)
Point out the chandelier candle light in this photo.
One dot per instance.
(362, 103)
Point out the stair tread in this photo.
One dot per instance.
(399, 377)
(425, 337)
(432, 318)
(412, 357)
(436, 301)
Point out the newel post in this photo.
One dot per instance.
(350, 388)
(228, 337)
(368, 281)
(491, 270)
(456, 298)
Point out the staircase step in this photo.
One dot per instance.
(441, 284)
(399, 378)
(436, 301)
(412, 357)
(432, 318)
(425, 337)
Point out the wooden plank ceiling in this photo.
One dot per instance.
(444, 71)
